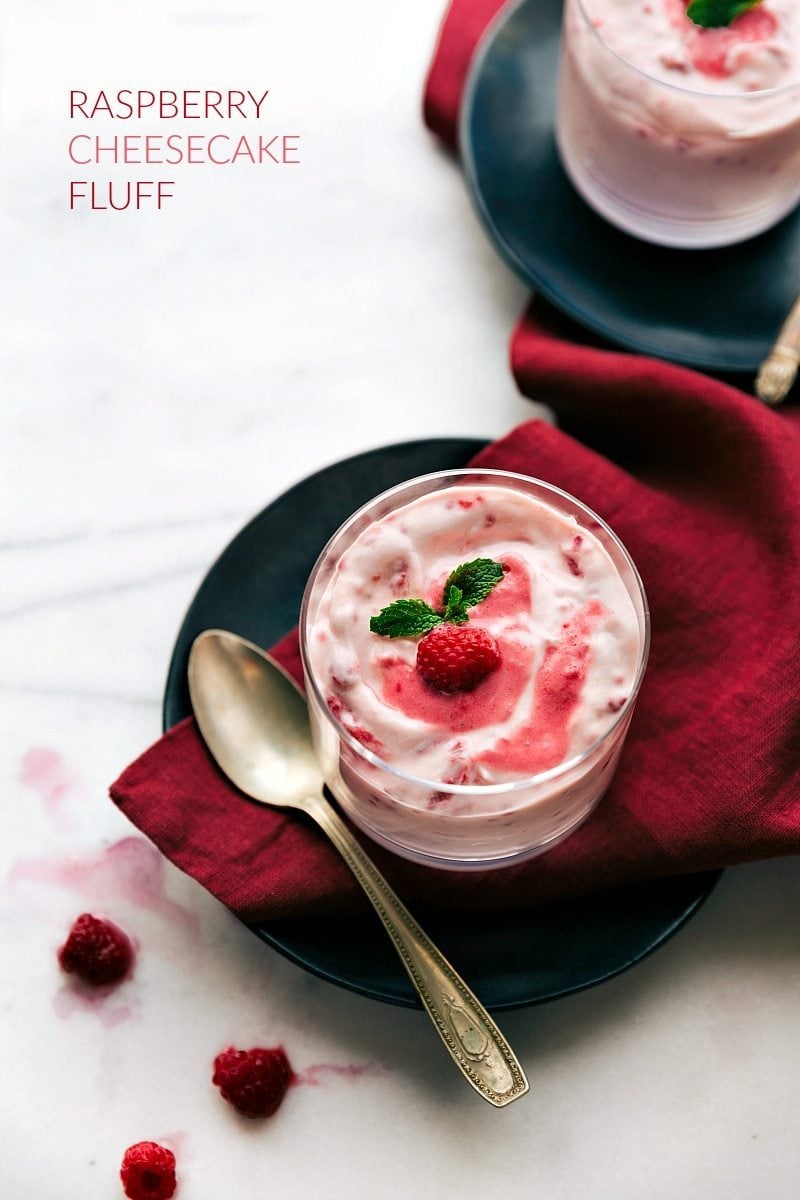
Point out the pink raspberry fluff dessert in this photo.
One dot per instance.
(560, 646)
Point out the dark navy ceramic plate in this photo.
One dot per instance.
(719, 310)
(519, 958)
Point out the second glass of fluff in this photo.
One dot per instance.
(680, 135)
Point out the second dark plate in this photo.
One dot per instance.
(511, 959)
(719, 310)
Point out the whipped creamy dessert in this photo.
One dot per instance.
(683, 135)
(457, 774)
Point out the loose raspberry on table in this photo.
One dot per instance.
(97, 951)
(148, 1172)
(253, 1081)
(455, 658)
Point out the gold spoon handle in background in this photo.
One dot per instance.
(778, 371)
(475, 1043)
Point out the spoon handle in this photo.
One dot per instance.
(475, 1043)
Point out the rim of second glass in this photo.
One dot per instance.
(751, 96)
(473, 789)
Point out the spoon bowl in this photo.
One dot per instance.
(255, 723)
(254, 720)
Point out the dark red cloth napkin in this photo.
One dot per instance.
(702, 483)
(464, 24)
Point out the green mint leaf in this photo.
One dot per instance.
(405, 618)
(713, 14)
(473, 581)
(456, 611)
(466, 586)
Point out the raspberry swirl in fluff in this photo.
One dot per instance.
(568, 636)
(757, 51)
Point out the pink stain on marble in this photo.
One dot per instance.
(75, 997)
(178, 1142)
(130, 870)
(319, 1073)
(44, 772)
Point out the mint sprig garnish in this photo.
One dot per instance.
(405, 618)
(474, 579)
(465, 587)
(455, 609)
(714, 14)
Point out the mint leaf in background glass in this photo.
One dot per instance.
(405, 618)
(714, 14)
(473, 580)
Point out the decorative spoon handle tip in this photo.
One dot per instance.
(778, 371)
(475, 1043)
(776, 375)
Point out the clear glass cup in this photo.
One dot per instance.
(478, 826)
(672, 165)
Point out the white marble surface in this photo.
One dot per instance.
(153, 363)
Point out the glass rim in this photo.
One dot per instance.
(753, 96)
(474, 789)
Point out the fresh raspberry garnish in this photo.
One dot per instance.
(96, 951)
(253, 1081)
(455, 658)
(148, 1172)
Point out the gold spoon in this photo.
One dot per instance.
(778, 371)
(255, 722)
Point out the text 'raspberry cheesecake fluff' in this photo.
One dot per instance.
(473, 643)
